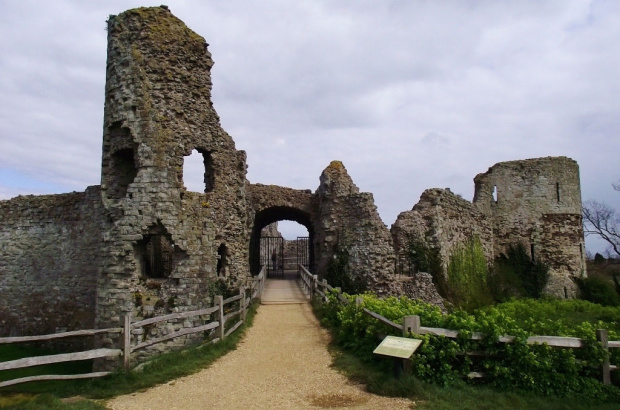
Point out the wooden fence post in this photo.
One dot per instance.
(219, 300)
(126, 340)
(324, 289)
(601, 336)
(315, 280)
(411, 324)
(243, 306)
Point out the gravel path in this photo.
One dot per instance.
(282, 363)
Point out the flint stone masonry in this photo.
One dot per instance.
(141, 244)
(536, 202)
(349, 220)
(50, 260)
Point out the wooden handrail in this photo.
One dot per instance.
(172, 316)
(74, 333)
(58, 358)
(54, 377)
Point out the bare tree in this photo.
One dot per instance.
(602, 220)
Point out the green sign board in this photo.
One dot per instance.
(397, 347)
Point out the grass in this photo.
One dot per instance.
(15, 351)
(160, 370)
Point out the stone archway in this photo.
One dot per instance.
(275, 214)
(274, 203)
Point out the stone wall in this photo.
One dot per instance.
(536, 202)
(157, 111)
(50, 253)
(420, 286)
(442, 221)
(141, 244)
(348, 219)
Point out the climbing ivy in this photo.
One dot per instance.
(515, 274)
(467, 276)
(339, 273)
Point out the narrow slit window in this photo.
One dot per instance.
(532, 252)
(557, 191)
(221, 260)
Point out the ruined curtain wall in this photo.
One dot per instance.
(442, 221)
(349, 220)
(49, 262)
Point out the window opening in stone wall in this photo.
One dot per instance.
(156, 254)
(495, 193)
(198, 171)
(221, 260)
(557, 191)
(122, 173)
(532, 252)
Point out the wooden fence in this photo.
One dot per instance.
(412, 325)
(244, 298)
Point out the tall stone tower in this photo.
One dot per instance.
(537, 202)
(167, 244)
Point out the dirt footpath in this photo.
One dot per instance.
(282, 363)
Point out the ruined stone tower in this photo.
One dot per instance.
(534, 202)
(537, 202)
(166, 242)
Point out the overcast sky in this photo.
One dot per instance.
(408, 94)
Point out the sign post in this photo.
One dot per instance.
(399, 348)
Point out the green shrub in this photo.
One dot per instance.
(514, 274)
(467, 276)
(339, 273)
(599, 291)
(426, 259)
(422, 257)
(538, 368)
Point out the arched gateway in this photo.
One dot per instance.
(274, 203)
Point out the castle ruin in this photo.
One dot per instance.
(141, 243)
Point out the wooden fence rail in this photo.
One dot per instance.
(412, 325)
(256, 288)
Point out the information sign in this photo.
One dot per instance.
(397, 347)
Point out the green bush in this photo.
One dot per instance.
(339, 273)
(599, 291)
(515, 274)
(538, 368)
(422, 257)
(426, 259)
(467, 276)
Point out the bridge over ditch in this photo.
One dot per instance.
(284, 290)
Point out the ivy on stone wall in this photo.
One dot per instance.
(467, 276)
(339, 273)
(515, 274)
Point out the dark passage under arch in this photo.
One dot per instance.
(275, 214)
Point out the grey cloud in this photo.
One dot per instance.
(410, 95)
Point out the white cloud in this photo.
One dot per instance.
(409, 95)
